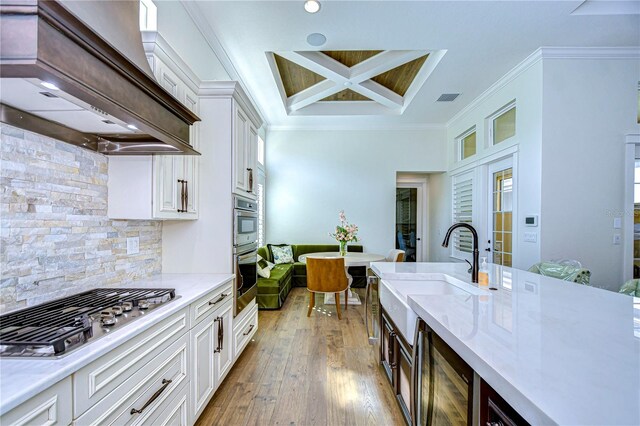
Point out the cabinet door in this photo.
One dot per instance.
(168, 191)
(388, 349)
(240, 152)
(190, 174)
(203, 343)
(224, 348)
(252, 158)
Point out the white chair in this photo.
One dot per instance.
(395, 255)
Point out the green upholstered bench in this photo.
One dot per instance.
(273, 291)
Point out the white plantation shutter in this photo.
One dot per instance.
(462, 208)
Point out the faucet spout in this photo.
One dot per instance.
(474, 234)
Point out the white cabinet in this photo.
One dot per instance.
(245, 148)
(212, 355)
(244, 328)
(159, 186)
(50, 407)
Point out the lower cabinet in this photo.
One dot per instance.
(50, 407)
(495, 411)
(164, 376)
(396, 358)
(211, 355)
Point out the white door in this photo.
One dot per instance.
(203, 382)
(501, 202)
(410, 219)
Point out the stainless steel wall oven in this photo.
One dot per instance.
(245, 252)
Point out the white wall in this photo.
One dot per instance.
(589, 107)
(179, 30)
(313, 174)
(525, 86)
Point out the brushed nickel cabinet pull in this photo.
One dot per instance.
(220, 334)
(182, 208)
(250, 170)
(165, 383)
(186, 196)
(248, 331)
(219, 299)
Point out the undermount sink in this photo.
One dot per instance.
(394, 295)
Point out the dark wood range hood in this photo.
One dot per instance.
(44, 42)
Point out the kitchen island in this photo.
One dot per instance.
(557, 352)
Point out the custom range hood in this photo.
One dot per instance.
(60, 78)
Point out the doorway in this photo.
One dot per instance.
(410, 217)
(501, 204)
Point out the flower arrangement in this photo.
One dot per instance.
(345, 233)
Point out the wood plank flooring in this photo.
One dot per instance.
(306, 371)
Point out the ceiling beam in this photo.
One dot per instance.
(313, 94)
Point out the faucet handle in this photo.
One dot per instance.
(470, 266)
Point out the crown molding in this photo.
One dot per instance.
(355, 128)
(203, 26)
(590, 52)
(544, 53)
(231, 89)
(155, 44)
(515, 72)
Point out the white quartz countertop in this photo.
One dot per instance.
(558, 352)
(21, 379)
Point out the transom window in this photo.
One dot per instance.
(502, 124)
(467, 144)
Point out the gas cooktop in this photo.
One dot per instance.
(53, 329)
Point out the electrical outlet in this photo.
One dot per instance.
(531, 237)
(617, 239)
(133, 245)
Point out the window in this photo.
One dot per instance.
(462, 208)
(467, 144)
(502, 124)
(261, 209)
(260, 151)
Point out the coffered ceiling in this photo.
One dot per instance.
(350, 82)
(468, 46)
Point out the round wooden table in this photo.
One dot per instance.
(350, 259)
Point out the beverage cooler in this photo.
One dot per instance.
(443, 384)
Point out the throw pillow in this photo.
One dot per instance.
(264, 267)
(282, 254)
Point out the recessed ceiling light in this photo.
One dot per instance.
(49, 86)
(316, 39)
(312, 6)
(132, 127)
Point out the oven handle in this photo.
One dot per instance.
(246, 213)
(247, 258)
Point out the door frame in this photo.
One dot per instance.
(509, 161)
(420, 182)
(632, 150)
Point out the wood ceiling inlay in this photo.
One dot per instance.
(346, 95)
(296, 78)
(350, 82)
(351, 57)
(400, 78)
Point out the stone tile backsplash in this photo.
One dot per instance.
(55, 237)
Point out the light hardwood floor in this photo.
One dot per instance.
(305, 371)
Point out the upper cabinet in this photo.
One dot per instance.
(245, 147)
(166, 186)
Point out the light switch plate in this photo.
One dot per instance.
(133, 245)
(617, 223)
(531, 237)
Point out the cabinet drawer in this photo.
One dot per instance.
(147, 392)
(244, 331)
(97, 380)
(210, 302)
(175, 412)
(49, 407)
